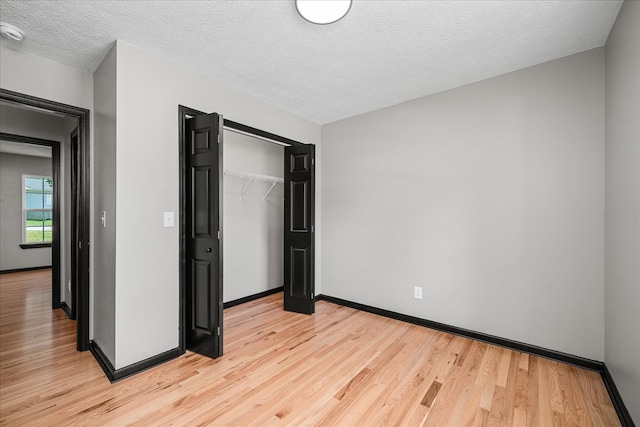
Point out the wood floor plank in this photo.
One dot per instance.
(339, 367)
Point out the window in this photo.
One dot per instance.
(37, 213)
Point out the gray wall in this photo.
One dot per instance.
(489, 196)
(12, 167)
(37, 76)
(44, 78)
(622, 267)
(149, 91)
(104, 196)
(56, 128)
(253, 227)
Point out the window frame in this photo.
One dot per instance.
(43, 243)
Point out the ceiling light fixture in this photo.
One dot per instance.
(11, 32)
(323, 11)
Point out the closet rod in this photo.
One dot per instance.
(253, 135)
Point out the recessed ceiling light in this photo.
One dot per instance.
(11, 32)
(323, 11)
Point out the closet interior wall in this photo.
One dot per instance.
(253, 224)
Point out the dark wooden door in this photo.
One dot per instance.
(299, 182)
(203, 305)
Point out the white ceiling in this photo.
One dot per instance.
(382, 53)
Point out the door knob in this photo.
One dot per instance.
(208, 249)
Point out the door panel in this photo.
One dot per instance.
(201, 203)
(202, 295)
(299, 181)
(299, 208)
(299, 258)
(204, 206)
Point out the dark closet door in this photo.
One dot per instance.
(299, 182)
(203, 244)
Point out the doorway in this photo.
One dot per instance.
(201, 227)
(253, 216)
(81, 291)
(39, 220)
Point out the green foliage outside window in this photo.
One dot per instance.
(38, 209)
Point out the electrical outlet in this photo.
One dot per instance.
(417, 292)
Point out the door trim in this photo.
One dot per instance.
(55, 235)
(83, 116)
(75, 167)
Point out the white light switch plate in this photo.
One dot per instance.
(168, 219)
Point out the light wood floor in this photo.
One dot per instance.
(340, 367)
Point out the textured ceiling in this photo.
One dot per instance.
(382, 53)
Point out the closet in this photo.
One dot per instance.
(247, 203)
(253, 216)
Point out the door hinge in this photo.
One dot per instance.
(218, 234)
(313, 161)
(311, 295)
(218, 330)
(80, 245)
(312, 228)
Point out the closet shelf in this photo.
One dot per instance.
(254, 177)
